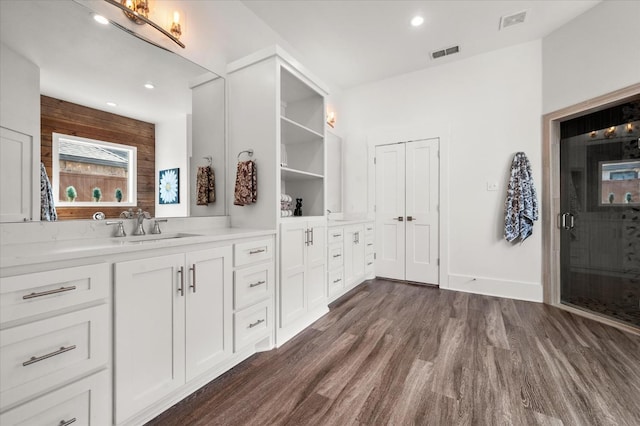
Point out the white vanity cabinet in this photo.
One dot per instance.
(302, 270)
(354, 248)
(55, 343)
(253, 294)
(172, 322)
(350, 256)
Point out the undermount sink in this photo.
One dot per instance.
(152, 238)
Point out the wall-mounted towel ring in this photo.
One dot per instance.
(209, 160)
(248, 151)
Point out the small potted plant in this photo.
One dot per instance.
(118, 195)
(97, 194)
(72, 194)
(612, 197)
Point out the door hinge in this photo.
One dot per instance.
(374, 160)
(438, 261)
(438, 154)
(374, 256)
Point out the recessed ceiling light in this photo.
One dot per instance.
(100, 19)
(112, 104)
(149, 85)
(417, 20)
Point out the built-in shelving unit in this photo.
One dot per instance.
(302, 138)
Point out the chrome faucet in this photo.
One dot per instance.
(156, 226)
(120, 230)
(141, 217)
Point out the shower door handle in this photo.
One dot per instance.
(567, 221)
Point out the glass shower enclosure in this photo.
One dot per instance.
(600, 213)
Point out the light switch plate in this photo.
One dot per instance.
(492, 186)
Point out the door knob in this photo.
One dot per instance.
(410, 218)
(399, 218)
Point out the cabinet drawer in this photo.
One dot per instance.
(369, 263)
(85, 402)
(336, 282)
(336, 235)
(253, 284)
(251, 325)
(252, 252)
(26, 295)
(336, 259)
(369, 247)
(42, 354)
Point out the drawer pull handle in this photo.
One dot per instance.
(193, 271)
(337, 235)
(256, 284)
(260, 321)
(48, 292)
(370, 244)
(257, 251)
(66, 422)
(337, 281)
(369, 229)
(370, 263)
(337, 255)
(35, 359)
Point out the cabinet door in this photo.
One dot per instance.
(358, 254)
(16, 152)
(317, 266)
(347, 253)
(149, 332)
(293, 250)
(209, 313)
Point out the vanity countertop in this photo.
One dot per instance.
(51, 251)
(345, 222)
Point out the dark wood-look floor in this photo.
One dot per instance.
(397, 354)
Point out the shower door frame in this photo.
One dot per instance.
(551, 197)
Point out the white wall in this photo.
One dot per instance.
(484, 109)
(171, 152)
(596, 53)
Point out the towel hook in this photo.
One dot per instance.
(248, 151)
(209, 160)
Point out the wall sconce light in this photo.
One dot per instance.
(593, 134)
(629, 127)
(176, 30)
(331, 119)
(138, 12)
(610, 132)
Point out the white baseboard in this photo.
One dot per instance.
(520, 290)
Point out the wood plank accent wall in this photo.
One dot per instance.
(76, 120)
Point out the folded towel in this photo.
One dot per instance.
(206, 186)
(246, 184)
(47, 205)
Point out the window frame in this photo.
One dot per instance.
(132, 170)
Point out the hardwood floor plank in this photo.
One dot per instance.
(415, 385)
(397, 354)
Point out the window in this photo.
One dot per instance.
(89, 172)
(619, 183)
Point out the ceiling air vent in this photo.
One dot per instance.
(445, 52)
(513, 19)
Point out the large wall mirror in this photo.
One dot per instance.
(107, 99)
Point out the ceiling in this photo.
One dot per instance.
(89, 64)
(354, 42)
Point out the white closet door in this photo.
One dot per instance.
(390, 206)
(422, 211)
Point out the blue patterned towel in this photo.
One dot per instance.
(521, 205)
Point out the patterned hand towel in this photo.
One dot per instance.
(206, 186)
(521, 205)
(246, 184)
(47, 205)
